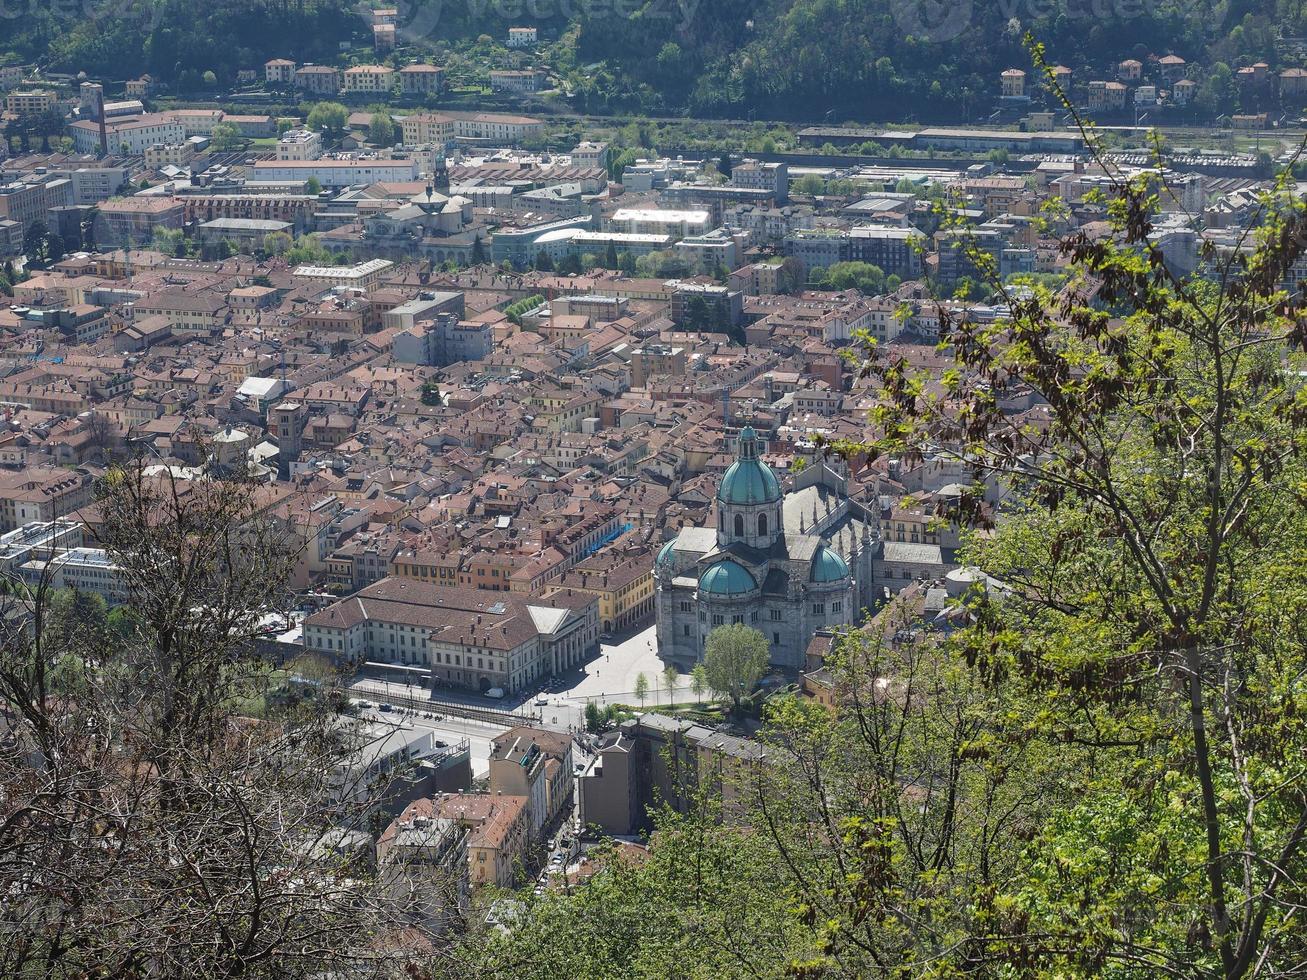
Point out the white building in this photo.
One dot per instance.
(299, 144)
(338, 173)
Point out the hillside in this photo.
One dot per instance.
(797, 59)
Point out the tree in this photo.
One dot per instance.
(277, 243)
(329, 119)
(868, 279)
(1152, 517)
(735, 657)
(209, 79)
(226, 137)
(699, 681)
(670, 678)
(381, 131)
(543, 262)
(594, 719)
(431, 393)
(610, 257)
(641, 688)
(791, 275)
(313, 186)
(1219, 92)
(724, 164)
(810, 185)
(160, 813)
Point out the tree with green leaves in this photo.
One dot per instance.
(594, 718)
(329, 119)
(641, 688)
(735, 657)
(382, 130)
(670, 680)
(225, 137)
(699, 681)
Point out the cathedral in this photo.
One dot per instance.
(785, 564)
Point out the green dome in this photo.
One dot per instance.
(727, 578)
(749, 481)
(665, 553)
(827, 566)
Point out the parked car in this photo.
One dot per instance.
(385, 707)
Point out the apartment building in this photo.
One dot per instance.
(318, 79)
(759, 175)
(499, 834)
(132, 220)
(188, 313)
(279, 71)
(661, 221)
(428, 127)
(41, 493)
(421, 79)
(30, 101)
(165, 155)
(537, 765)
(655, 760)
(516, 82)
(29, 203)
(521, 37)
(299, 144)
(897, 251)
(368, 80)
(497, 127)
(623, 584)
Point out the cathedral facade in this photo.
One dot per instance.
(787, 565)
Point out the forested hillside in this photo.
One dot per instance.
(870, 59)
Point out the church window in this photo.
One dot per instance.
(836, 606)
(819, 607)
(738, 619)
(739, 525)
(776, 638)
(687, 629)
(718, 619)
(762, 523)
(776, 615)
(685, 606)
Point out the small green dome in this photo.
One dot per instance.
(665, 556)
(827, 566)
(727, 578)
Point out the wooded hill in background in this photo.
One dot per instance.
(769, 59)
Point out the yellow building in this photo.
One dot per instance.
(624, 586)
